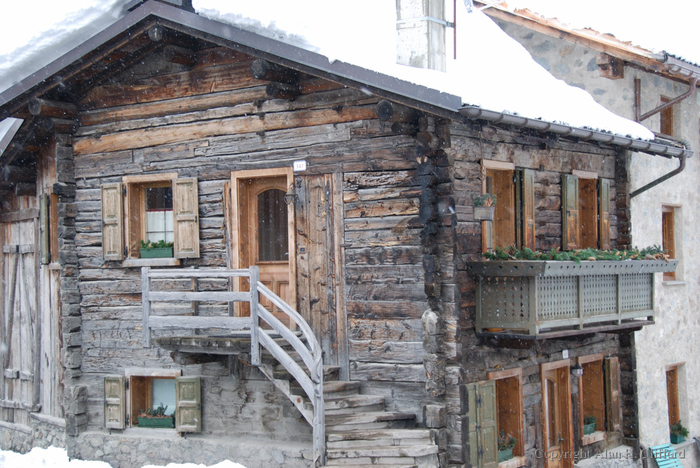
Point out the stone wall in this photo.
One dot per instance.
(44, 431)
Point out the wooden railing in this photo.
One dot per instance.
(307, 346)
(539, 298)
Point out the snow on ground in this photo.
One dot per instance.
(53, 457)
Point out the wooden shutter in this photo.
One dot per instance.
(613, 407)
(114, 402)
(188, 404)
(483, 430)
(570, 224)
(44, 242)
(112, 222)
(186, 217)
(604, 213)
(527, 197)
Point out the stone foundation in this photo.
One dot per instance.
(139, 447)
(45, 431)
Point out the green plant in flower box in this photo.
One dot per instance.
(157, 249)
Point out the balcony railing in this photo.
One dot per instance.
(556, 298)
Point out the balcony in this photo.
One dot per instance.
(552, 299)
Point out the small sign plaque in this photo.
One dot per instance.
(299, 166)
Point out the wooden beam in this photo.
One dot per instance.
(188, 359)
(389, 111)
(286, 91)
(179, 55)
(23, 189)
(17, 174)
(264, 70)
(56, 125)
(58, 109)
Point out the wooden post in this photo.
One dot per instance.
(579, 301)
(146, 304)
(254, 339)
(319, 425)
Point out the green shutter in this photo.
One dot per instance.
(114, 402)
(604, 213)
(570, 222)
(44, 228)
(527, 207)
(112, 222)
(483, 426)
(188, 404)
(488, 424)
(612, 394)
(186, 217)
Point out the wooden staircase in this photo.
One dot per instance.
(359, 429)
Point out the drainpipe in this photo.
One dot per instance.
(666, 105)
(656, 182)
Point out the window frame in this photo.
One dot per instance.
(124, 219)
(601, 414)
(511, 376)
(669, 236)
(522, 196)
(679, 399)
(588, 221)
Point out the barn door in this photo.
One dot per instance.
(319, 224)
(19, 322)
(264, 233)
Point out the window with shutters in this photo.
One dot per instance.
(585, 211)
(150, 208)
(494, 406)
(128, 397)
(676, 394)
(599, 396)
(668, 237)
(514, 217)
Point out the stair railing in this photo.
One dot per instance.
(307, 346)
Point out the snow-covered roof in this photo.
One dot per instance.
(659, 27)
(492, 71)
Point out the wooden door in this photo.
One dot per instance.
(556, 415)
(264, 233)
(318, 226)
(19, 319)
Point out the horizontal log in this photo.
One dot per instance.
(19, 405)
(388, 111)
(228, 323)
(387, 372)
(191, 359)
(398, 207)
(381, 351)
(186, 274)
(386, 292)
(383, 310)
(366, 180)
(179, 55)
(286, 91)
(382, 193)
(24, 189)
(399, 255)
(269, 71)
(48, 108)
(250, 124)
(56, 125)
(385, 330)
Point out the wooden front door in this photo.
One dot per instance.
(264, 232)
(557, 433)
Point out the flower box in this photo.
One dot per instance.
(166, 423)
(484, 213)
(162, 252)
(530, 298)
(677, 439)
(589, 428)
(504, 455)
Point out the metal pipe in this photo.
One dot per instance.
(656, 182)
(668, 104)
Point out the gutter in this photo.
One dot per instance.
(650, 147)
(656, 182)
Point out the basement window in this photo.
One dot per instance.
(127, 397)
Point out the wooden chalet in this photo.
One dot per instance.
(324, 300)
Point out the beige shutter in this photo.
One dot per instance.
(604, 213)
(186, 217)
(44, 228)
(483, 427)
(488, 426)
(188, 404)
(570, 225)
(612, 394)
(112, 221)
(527, 187)
(114, 402)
